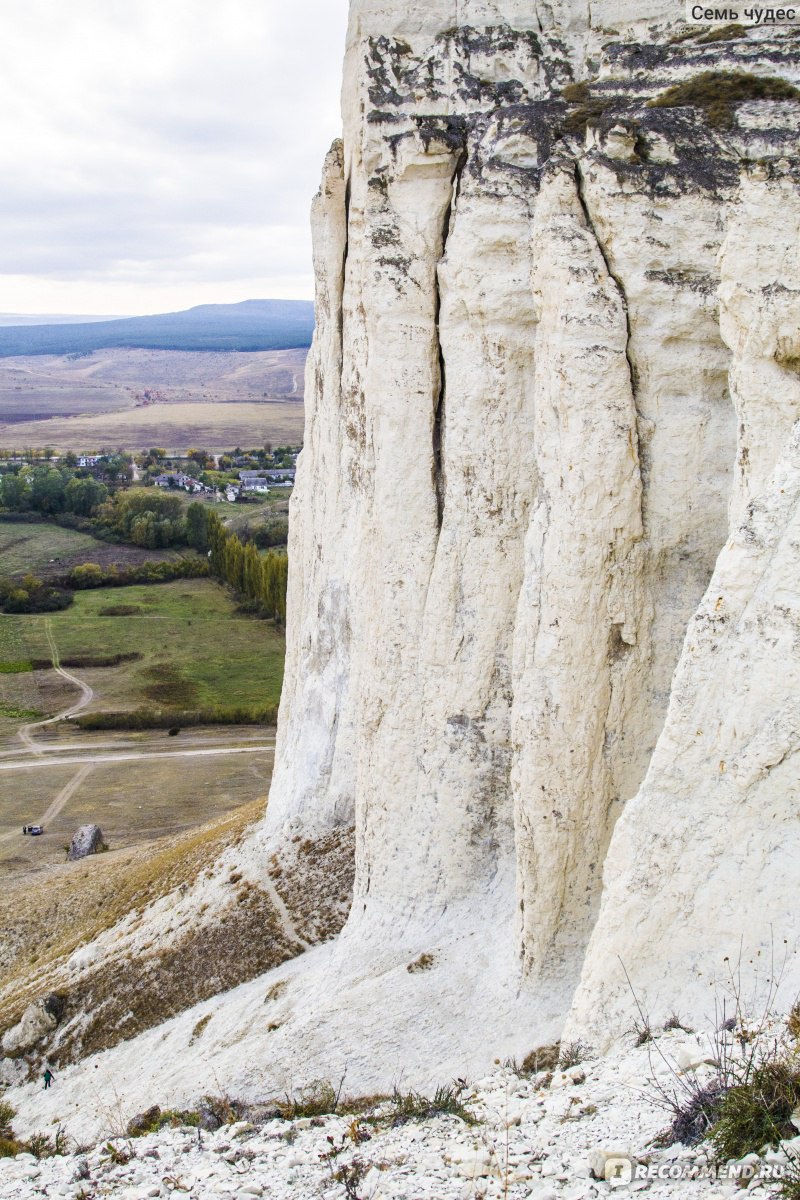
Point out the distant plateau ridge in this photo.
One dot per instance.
(248, 326)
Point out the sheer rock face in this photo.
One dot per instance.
(555, 374)
(542, 650)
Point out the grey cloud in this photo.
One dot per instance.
(199, 168)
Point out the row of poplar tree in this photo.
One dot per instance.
(261, 579)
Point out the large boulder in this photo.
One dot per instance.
(39, 1019)
(86, 840)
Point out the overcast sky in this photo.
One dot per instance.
(156, 154)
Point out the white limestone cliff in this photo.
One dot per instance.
(545, 345)
(542, 645)
(534, 432)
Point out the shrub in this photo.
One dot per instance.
(757, 1111)
(144, 718)
(573, 1053)
(40, 1145)
(82, 577)
(34, 596)
(86, 575)
(717, 91)
(7, 1114)
(695, 1115)
(99, 660)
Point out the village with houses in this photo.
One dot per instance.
(239, 475)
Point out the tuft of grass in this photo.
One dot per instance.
(758, 1111)
(573, 1053)
(413, 1106)
(276, 991)
(199, 1027)
(642, 1032)
(725, 33)
(118, 1156)
(7, 1114)
(793, 1020)
(543, 1058)
(319, 1098)
(673, 1021)
(717, 91)
(587, 108)
(423, 963)
(223, 1108)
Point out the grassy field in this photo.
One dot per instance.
(47, 549)
(140, 398)
(32, 547)
(176, 426)
(196, 651)
(49, 385)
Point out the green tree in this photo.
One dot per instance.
(197, 526)
(84, 496)
(16, 492)
(48, 491)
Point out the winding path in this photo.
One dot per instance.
(87, 695)
(49, 754)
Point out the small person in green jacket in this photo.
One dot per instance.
(48, 1078)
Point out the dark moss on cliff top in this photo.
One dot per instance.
(717, 91)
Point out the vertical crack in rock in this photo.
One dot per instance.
(584, 203)
(579, 184)
(439, 410)
(345, 252)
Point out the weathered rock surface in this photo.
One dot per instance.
(546, 505)
(88, 839)
(542, 646)
(38, 1020)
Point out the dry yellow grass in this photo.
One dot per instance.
(135, 801)
(75, 903)
(176, 426)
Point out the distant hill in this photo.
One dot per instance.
(54, 318)
(251, 325)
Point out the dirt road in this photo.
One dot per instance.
(87, 695)
(85, 757)
(55, 760)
